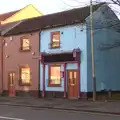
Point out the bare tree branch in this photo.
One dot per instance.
(116, 2)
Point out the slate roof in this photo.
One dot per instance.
(69, 17)
(4, 28)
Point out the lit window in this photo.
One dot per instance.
(54, 75)
(55, 39)
(25, 75)
(25, 44)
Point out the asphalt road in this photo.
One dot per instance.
(29, 113)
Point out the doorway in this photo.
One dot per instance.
(11, 84)
(72, 84)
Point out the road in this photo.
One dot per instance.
(29, 113)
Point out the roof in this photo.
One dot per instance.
(69, 17)
(4, 28)
(7, 15)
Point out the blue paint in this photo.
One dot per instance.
(107, 67)
(71, 37)
(106, 60)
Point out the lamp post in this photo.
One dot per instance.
(92, 52)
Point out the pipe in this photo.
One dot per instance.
(65, 80)
(78, 64)
(39, 65)
(43, 81)
(2, 41)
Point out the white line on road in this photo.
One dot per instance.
(9, 118)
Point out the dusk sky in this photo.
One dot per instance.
(45, 6)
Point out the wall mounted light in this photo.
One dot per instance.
(11, 38)
(33, 53)
(6, 44)
(7, 56)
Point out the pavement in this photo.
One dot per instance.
(105, 107)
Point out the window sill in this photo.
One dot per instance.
(25, 50)
(54, 47)
(54, 85)
(25, 84)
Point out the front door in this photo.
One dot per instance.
(72, 84)
(11, 85)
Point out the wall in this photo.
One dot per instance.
(28, 12)
(71, 37)
(61, 88)
(17, 58)
(106, 57)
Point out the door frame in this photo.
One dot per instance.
(68, 81)
(9, 82)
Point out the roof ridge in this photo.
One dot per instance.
(10, 12)
(16, 10)
(69, 17)
(62, 12)
(76, 8)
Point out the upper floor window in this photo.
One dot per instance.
(25, 76)
(54, 75)
(25, 44)
(55, 39)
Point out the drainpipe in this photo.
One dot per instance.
(43, 68)
(78, 59)
(39, 65)
(65, 80)
(78, 64)
(2, 43)
(43, 81)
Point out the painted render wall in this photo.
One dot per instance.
(19, 58)
(28, 12)
(61, 89)
(71, 37)
(107, 59)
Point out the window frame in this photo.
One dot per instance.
(21, 44)
(52, 34)
(20, 79)
(49, 74)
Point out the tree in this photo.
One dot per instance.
(116, 2)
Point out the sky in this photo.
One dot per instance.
(45, 6)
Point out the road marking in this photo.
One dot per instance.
(9, 118)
